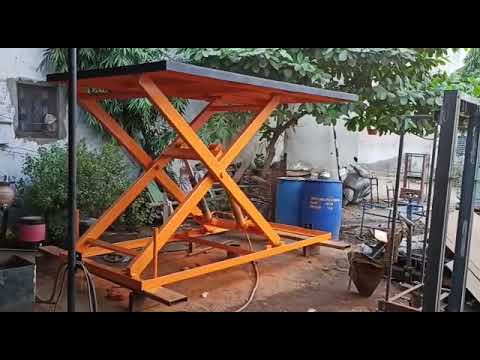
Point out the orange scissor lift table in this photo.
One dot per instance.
(224, 92)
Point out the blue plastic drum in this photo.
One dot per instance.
(322, 206)
(288, 199)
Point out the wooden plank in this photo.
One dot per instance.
(387, 306)
(165, 296)
(407, 291)
(340, 245)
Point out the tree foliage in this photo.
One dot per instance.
(392, 83)
(472, 63)
(466, 79)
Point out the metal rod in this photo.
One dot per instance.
(441, 199)
(395, 209)
(429, 198)
(337, 156)
(72, 176)
(408, 267)
(456, 299)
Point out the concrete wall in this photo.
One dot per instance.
(23, 63)
(374, 148)
(313, 145)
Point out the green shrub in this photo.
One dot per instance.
(138, 213)
(102, 176)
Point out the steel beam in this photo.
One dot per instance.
(429, 197)
(465, 217)
(441, 199)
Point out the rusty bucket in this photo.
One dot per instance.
(365, 272)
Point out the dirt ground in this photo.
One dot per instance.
(288, 283)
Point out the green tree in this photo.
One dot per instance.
(392, 83)
(472, 62)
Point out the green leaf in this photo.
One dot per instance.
(343, 55)
(381, 92)
(288, 73)
(309, 107)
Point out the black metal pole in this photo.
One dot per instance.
(429, 198)
(441, 199)
(72, 176)
(456, 299)
(337, 156)
(395, 209)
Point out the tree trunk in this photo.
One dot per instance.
(270, 152)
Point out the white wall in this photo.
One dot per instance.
(16, 63)
(313, 145)
(374, 148)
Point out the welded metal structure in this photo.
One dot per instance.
(392, 303)
(224, 92)
(457, 107)
(414, 180)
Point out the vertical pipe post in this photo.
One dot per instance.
(408, 268)
(395, 209)
(72, 176)
(441, 199)
(456, 299)
(429, 198)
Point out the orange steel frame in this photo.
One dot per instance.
(187, 146)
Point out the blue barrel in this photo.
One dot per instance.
(322, 206)
(288, 198)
